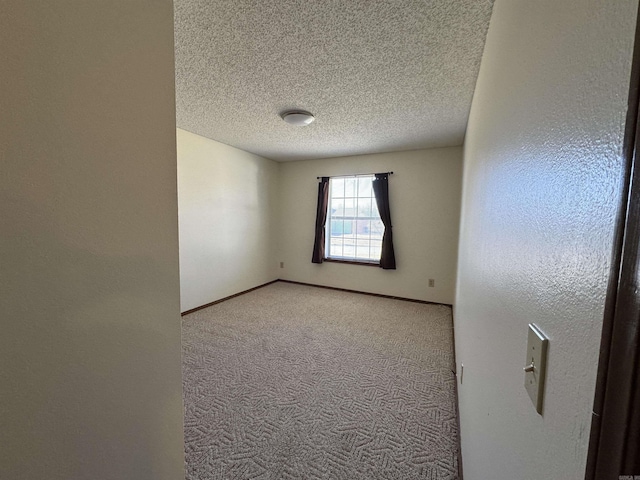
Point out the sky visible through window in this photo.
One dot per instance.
(354, 229)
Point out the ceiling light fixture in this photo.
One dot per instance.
(299, 118)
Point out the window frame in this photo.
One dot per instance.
(349, 260)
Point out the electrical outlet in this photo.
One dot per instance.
(432, 282)
(281, 264)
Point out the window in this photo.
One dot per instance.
(354, 230)
(349, 226)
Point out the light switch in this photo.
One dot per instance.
(536, 365)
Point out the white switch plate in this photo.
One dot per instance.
(537, 344)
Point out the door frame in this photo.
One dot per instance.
(614, 443)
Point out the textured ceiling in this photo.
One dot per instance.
(378, 75)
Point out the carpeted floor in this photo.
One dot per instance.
(298, 382)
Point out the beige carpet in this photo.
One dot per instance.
(298, 382)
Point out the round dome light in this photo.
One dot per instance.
(298, 118)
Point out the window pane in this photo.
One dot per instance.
(377, 229)
(364, 207)
(376, 250)
(350, 187)
(337, 187)
(349, 250)
(362, 252)
(349, 207)
(364, 187)
(374, 208)
(335, 248)
(337, 207)
(363, 228)
(348, 227)
(336, 228)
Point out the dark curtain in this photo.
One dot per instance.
(381, 191)
(321, 219)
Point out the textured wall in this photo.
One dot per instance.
(542, 182)
(89, 292)
(425, 210)
(227, 206)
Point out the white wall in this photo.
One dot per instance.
(227, 205)
(542, 182)
(425, 204)
(89, 287)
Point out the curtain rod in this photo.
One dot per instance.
(357, 175)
